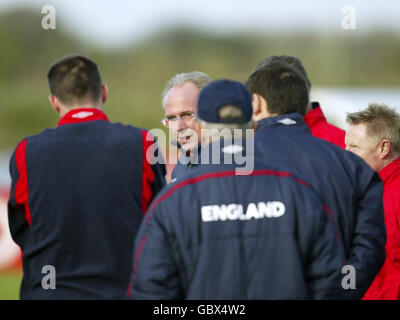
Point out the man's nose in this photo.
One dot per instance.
(180, 124)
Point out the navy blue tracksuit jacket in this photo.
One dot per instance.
(217, 235)
(351, 190)
(78, 195)
(186, 162)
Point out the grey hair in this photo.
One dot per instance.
(200, 79)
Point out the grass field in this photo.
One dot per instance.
(9, 285)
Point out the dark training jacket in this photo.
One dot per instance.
(78, 195)
(351, 190)
(218, 235)
(186, 162)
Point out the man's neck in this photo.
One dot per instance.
(390, 159)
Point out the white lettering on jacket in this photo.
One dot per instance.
(224, 212)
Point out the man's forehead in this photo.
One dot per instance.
(187, 90)
(356, 134)
(182, 98)
(357, 130)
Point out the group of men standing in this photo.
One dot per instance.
(86, 199)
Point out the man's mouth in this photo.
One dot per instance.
(187, 137)
(184, 139)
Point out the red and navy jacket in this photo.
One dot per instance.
(320, 127)
(350, 189)
(78, 195)
(215, 234)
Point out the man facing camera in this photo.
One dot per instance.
(179, 100)
(374, 135)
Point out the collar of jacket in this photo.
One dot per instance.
(390, 170)
(292, 120)
(314, 115)
(82, 115)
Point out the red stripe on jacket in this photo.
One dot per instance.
(147, 172)
(220, 175)
(21, 187)
(135, 264)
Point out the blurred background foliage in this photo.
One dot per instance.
(137, 74)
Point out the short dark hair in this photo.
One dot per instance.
(292, 61)
(74, 79)
(284, 89)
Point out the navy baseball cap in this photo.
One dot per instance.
(220, 93)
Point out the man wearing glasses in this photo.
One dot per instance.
(179, 101)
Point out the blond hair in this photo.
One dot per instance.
(381, 123)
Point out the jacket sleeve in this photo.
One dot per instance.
(18, 208)
(325, 261)
(367, 253)
(155, 273)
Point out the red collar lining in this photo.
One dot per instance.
(82, 115)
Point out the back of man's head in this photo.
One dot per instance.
(225, 102)
(75, 79)
(282, 87)
(224, 106)
(293, 62)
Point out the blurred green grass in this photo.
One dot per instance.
(9, 285)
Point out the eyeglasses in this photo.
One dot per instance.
(187, 116)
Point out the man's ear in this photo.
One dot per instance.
(384, 148)
(256, 104)
(104, 93)
(55, 103)
(260, 107)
